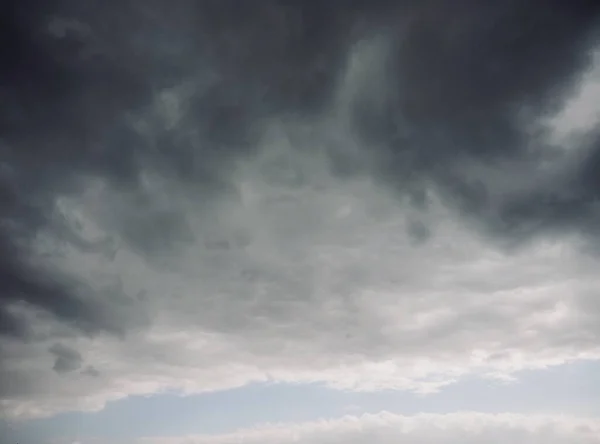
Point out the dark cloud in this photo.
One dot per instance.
(79, 81)
(72, 74)
(67, 359)
(467, 85)
(91, 371)
(418, 231)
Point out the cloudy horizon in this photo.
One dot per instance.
(282, 221)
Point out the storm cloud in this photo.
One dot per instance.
(217, 192)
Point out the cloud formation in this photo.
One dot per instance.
(384, 428)
(67, 360)
(370, 195)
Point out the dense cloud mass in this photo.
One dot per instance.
(367, 194)
(387, 428)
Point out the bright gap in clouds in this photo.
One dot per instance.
(581, 113)
(203, 198)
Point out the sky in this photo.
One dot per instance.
(299, 222)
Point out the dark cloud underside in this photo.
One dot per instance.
(465, 82)
(67, 359)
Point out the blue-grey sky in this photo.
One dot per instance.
(318, 221)
(566, 389)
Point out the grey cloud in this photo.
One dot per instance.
(65, 116)
(418, 231)
(141, 114)
(467, 86)
(91, 371)
(67, 359)
(456, 79)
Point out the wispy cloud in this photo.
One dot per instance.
(386, 428)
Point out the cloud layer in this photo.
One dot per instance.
(383, 196)
(384, 428)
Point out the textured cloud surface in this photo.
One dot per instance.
(384, 428)
(365, 194)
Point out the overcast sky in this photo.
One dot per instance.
(312, 221)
